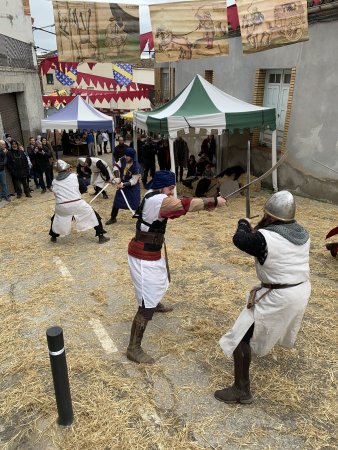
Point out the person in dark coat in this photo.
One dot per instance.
(208, 148)
(66, 143)
(120, 149)
(181, 154)
(42, 156)
(163, 155)
(30, 152)
(191, 166)
(126, 177)
(3, 183)
(52, 159)
(148, 155)
(17, 164)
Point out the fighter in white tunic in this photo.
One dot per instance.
(275, 308)
(148, 268)
(101, 174)
(69, 205)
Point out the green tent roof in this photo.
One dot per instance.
(202, 105)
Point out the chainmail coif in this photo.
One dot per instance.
(291, 231)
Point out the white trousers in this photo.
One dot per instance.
(150, 280)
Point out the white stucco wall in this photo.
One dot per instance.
(13, 21)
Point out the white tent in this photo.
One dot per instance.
(201, 105)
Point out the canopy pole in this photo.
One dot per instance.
(274, 160)
(248, 169)
(95, 149)
(135, 139)
(172, 160)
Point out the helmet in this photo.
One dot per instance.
(281, 206)
(61, 165)
(81, 161)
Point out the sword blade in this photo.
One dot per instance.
(91, 201)
(262, 177)
(127, 203)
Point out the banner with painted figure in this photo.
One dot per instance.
(101, 32)
(189, 30)
(267, 24)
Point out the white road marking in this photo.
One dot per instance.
(62, 267)
(102, 335)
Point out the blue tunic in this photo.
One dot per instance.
(133, 193)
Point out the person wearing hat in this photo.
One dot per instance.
(127, 177)
(101, 174)
(275, 307)
(69, 204)
(148, 269)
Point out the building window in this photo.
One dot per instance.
(274, 78)
(165, 85)
(50, 78)
(209, 76)
(287, 78)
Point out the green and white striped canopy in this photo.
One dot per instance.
(203, 106)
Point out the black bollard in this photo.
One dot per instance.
(58, 364)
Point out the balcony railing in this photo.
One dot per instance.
(15, 54)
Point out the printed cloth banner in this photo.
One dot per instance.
(68, 77)
(123, 73)
(189, 30)
(267, 24)
(99, 32)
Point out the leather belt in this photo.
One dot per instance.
(280, 286)
(149, 238)
(70, 201)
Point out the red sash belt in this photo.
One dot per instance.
(136, 249)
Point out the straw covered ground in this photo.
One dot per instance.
(120, 405)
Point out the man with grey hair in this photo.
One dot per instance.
(275, 308)
(3, 183)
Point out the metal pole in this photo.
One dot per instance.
(172, 160)
(274, 161)
(112, 144)
(57, 356)
(247, 205)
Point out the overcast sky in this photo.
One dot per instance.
(42, 12)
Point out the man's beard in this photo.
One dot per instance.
(263, 223)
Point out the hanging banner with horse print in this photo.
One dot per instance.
(100, 32)
(189, 30)
(267, 24)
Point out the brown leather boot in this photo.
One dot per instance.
(239, 392)
(161, 308)
(134, 351)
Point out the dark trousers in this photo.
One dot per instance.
(99, 228)
(148, 167)
(41, 180)
(33, 174)
(181, 173)
(105, 143)
(17, 185)
(114, 213)
(248, 335)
